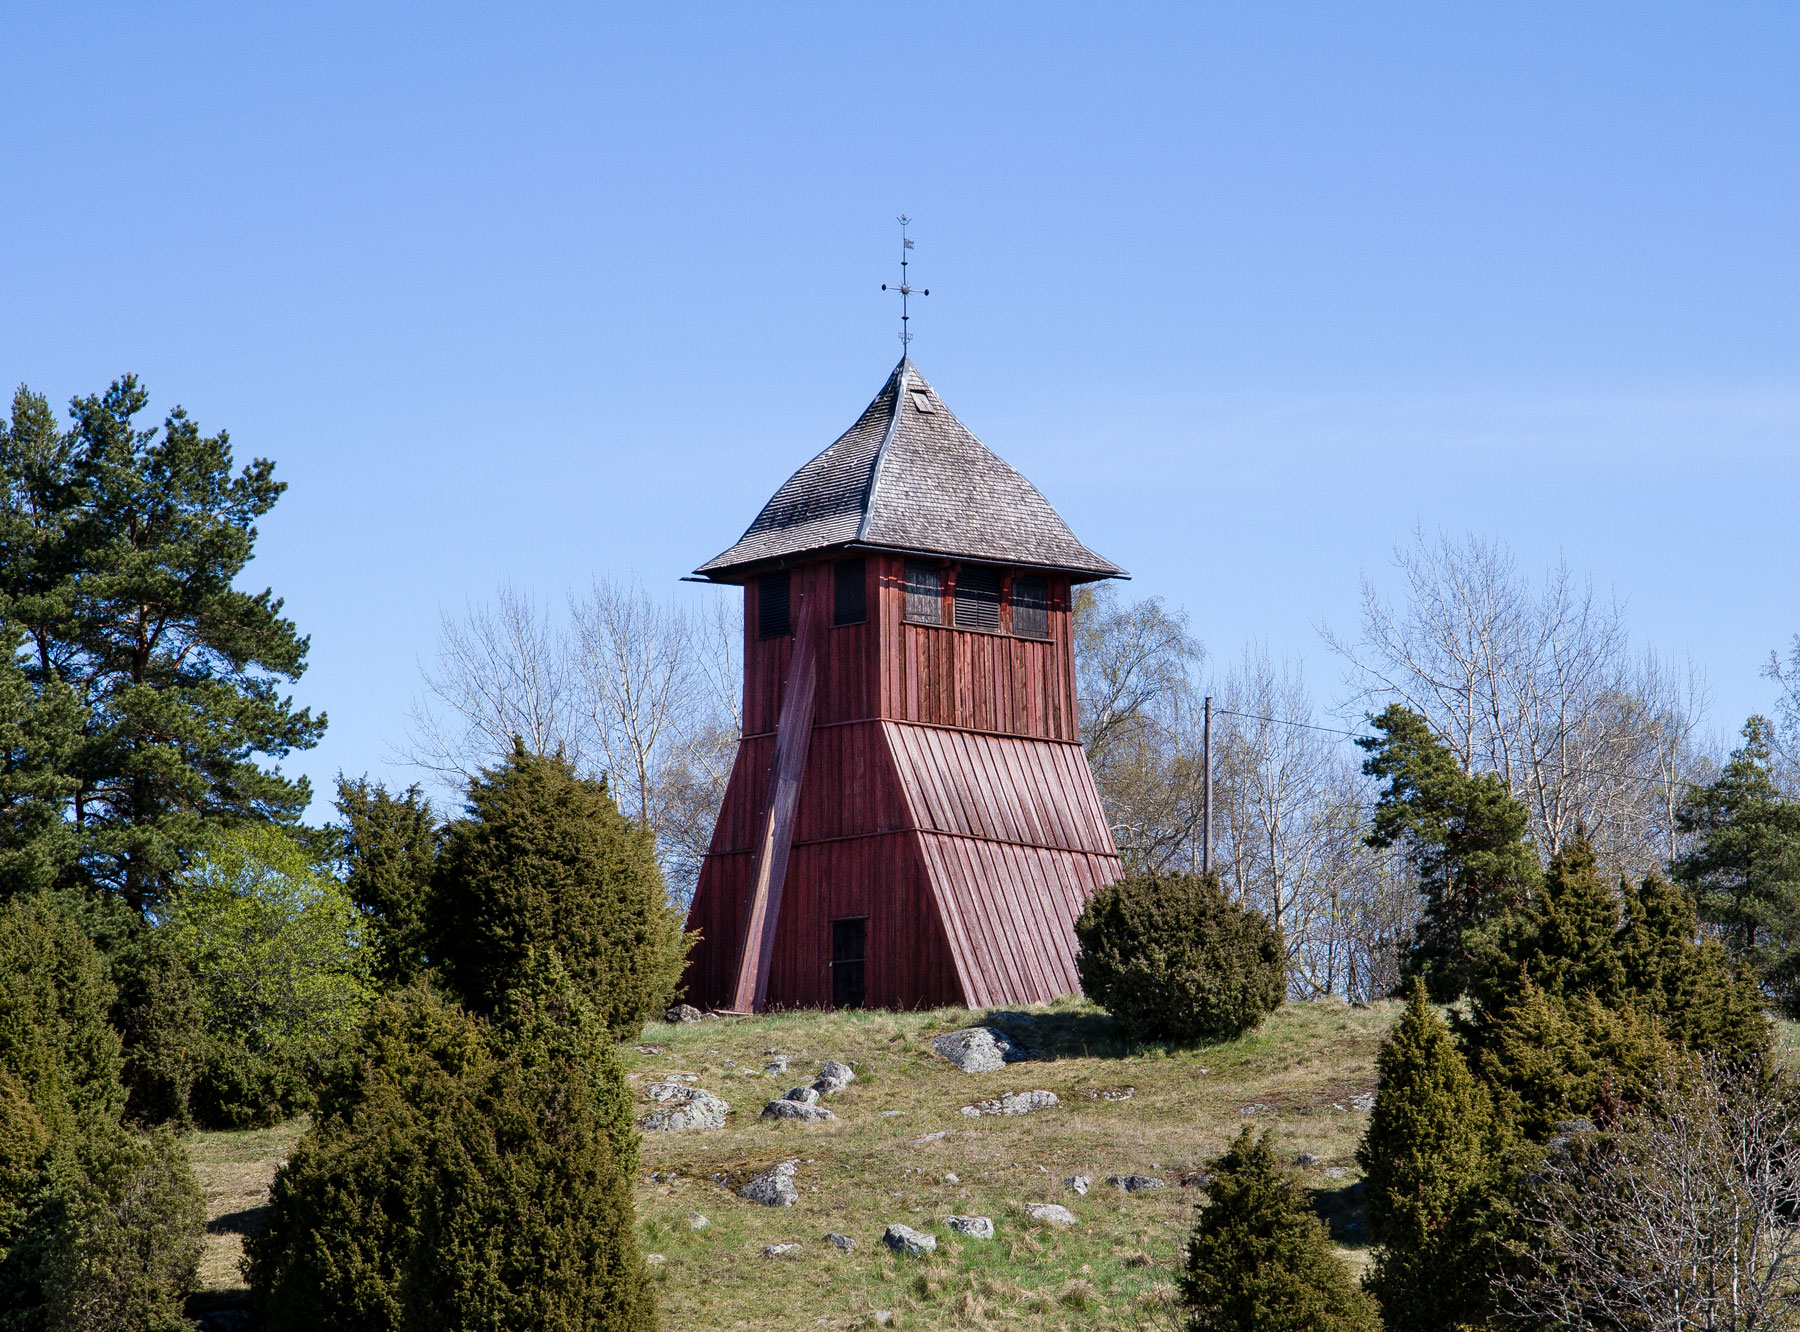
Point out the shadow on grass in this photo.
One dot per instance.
(1342, 1211)
(1081, 1034)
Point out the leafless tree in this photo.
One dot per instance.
(640, 691)
(1786, 675)
(1535, 683)
(1684, 1216)
(502, 671)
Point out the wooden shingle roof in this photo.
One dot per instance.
(909, 476)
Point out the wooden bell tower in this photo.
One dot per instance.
(911, 821)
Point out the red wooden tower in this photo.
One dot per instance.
(911, 821)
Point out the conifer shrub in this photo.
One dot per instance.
(1431, 1164)
(463, 1173)
(1259, 1260)
(1172, 958)
(100, 1228)
(545, 861)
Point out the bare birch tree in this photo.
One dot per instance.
(1535, 683)
(1786, 675)
(1685, 1216)
(502, 671)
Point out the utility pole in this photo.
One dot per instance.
(1206, 794)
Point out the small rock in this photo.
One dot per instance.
(840, 1242)
(950, 1178)
(697, 1222)
(1135, 1183)
(1336, 1172)
(649, 1049)
(654, 1258)
(890, 1114)
(974, 1227)
(1117, 1093)
(882, 1317)
(775, 1186)
(1363, 1101)
(1054, 1214)
(932, 1137)
(683, 1013)
(1307, 1161)
(904, 1239)
(688, 1108)
(1254, 1108)
(1077, 1183)
(833, 1078)
(779, 1064)
(978, 1049)
(804, 1111)
(779, 1250)
(1194, 1179)
(1013, 1103)
(804, 1095)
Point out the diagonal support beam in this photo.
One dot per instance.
(793, 737)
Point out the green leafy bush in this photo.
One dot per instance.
(275, 948)
(545, 861)
(463, 1173)
(1260, 1261)
(1172, 958)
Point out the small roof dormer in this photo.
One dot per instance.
(910, 477)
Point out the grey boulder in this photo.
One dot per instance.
(904, 1239)
(804, 1111)
(683, 1013)
(974, 1227)
(978, 1049)
(840, 1242)
(1054, 1214)
(1135, 1183)
(833, 1078)
(775, 1186)
(1013, 1103)
(686, 1109)
(1077, 1183)
(804, 1095)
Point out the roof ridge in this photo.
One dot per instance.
(881, 451)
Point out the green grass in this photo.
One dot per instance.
(1114, 1269)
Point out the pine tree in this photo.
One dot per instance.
(389, 846)
(122, 549)
(1430, 1164)
(1744, 870)
(1259, 1260)
(545, 861)
(1463, 834)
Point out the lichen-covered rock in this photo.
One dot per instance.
(1077, 1183)
(904, 1239)
(843, 1243)
(833, 1078)
(685, 1109)
(697, 1222)
(683, 1013)
(1013, 1103)
(777, 1065)
(804, 1095)
(1307, 1161)
(1054, 1214)
(1135, 1183)
(774, 1187)
(978, 1049)
(804, 1111)
(780, 1250)
(974, 1227)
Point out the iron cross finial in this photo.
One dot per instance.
(906, 291)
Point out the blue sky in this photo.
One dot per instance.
(1249, 291)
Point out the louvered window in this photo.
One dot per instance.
(924, 593)
(1030, 607)
(977, 598)
(849, 604)
(772, 605)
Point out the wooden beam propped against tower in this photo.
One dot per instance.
(793, 737)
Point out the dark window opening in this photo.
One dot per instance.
(977, 598)
(924, 593)
(1031, 607)
(849, 962)
(772, 605)
(849, 589)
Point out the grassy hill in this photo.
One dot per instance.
(1298, 1074)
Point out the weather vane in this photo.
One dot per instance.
(906, 291)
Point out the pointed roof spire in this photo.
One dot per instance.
(910, 477)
